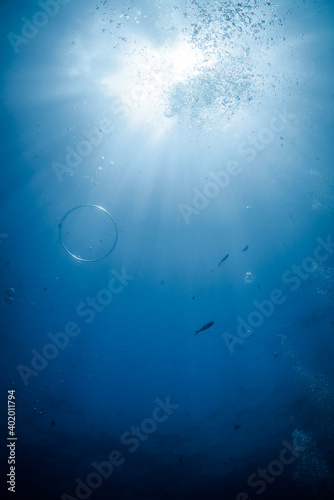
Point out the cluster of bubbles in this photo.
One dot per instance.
(233, 39)
(322, 197)
(9, 296)
(249, 277)
(325, 276)
(301, 438)
(311, 471)
(320, 389)
(220, 31)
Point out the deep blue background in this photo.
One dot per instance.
(171, 128)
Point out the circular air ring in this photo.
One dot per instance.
(76, 254)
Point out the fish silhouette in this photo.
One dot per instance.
(227, 255)
(205, 327)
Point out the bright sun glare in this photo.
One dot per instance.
(149, 74)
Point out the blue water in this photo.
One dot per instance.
(166, 165)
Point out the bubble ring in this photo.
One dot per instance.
(73, 254)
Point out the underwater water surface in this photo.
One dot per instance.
(167, 250)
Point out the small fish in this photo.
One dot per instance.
(236, 427)
(205, 327)
(180, 458)
(227, 255)
(244, 249)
